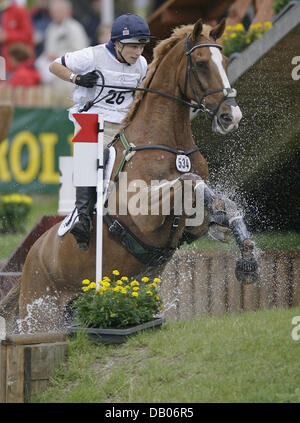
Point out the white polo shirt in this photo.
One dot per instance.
(115, 105)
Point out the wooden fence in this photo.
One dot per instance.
(197, 282)
(26, 362)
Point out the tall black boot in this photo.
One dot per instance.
(85, 202)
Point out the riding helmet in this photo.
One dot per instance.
(130, 29)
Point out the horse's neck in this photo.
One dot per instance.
(160, 120)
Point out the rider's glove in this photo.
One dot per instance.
(89, 80)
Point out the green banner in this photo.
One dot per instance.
(29, 155)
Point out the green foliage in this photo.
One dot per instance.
(236, 38)
(117, 303)
(278, 5)
(14, 210)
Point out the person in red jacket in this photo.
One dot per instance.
(15, 27)
(22, 60)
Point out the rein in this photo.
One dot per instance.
(227, 92)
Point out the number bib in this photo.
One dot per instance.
(183, 163)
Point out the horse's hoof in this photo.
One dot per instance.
(246, 270)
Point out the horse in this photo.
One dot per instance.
(187, 71)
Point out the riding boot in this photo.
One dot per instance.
(85, 202)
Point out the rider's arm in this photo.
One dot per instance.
(62, 71)
(59, 68)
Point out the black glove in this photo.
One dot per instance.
(89, 80)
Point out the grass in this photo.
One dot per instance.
(239, 358)
(41, 205)
(263, 240)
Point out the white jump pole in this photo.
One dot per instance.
(99, 219)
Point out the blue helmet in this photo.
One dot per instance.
(130, 28)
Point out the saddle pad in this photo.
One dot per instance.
(69, 220)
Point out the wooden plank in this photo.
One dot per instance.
(296, 279)
(15, 374)
(218, 284)
(282, 285)
(200, 282)
(36, 338)
(266, 280)
(233, 286)
(40, 360)
(3, 358)
(185, 285)
(169, 289)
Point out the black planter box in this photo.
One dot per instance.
(115, 336)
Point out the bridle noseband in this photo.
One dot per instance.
(227, 92)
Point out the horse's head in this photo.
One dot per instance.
(204, 79)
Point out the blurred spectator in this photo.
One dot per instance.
(22, 60)
(40, 16)
(103, 34)
(90, 19)
(16, 26)
(63, 34)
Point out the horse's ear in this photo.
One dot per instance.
(218, 30)
(197, 30)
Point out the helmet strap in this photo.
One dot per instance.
(119, 50)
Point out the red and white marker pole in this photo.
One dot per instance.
(88, 169)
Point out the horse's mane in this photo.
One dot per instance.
(159, 52)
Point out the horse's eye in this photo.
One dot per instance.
(202, 64)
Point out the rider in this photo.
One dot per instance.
(121, 63)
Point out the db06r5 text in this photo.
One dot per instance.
(171, 412)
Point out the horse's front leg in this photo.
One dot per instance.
(225, 217)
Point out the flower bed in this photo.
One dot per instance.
(117, 302)
(14, 209)
(236, 38)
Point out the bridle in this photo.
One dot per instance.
(228, 93)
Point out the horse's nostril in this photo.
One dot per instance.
(225, 119)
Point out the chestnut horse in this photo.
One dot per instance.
(187, 71)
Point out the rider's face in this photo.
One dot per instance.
(131, 52)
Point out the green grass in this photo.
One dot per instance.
(246, 357)
(263, 240)
(41, 205)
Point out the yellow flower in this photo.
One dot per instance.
(161, 307)
(116, 272)
(152, 285)
(157, 280)
(112, 315)
(92, 285)
(233, 35)
(124, 278)
(119, 282)
(85, 282)
(136, 288)
(106, 278)
(149, 292)
(127, 287)
(123, 290)
(135, 294)
(239, 27)
(106, 284)
(156, 297)
(268, 25)
(85, 288)
(145, 279)
(134, 283)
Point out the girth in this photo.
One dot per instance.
(146, 254)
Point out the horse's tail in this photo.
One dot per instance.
(9, 307)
